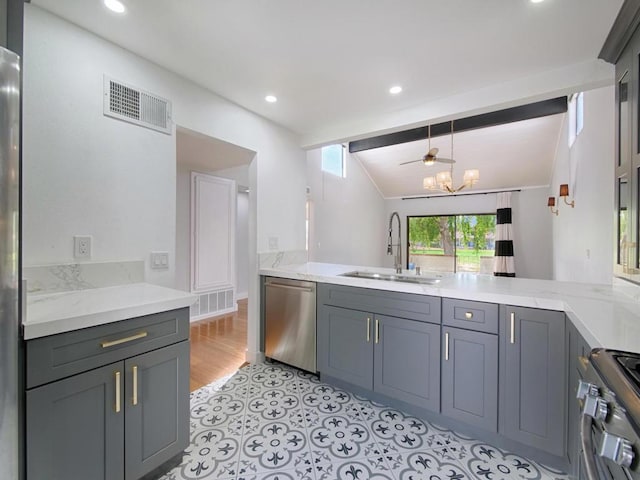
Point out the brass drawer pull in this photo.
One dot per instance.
(446, 346)
(513, 328)
(117, 408)
(468, 315)
(135, 385)
(112, 343)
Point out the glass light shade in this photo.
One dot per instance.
(564, 190)
(443, 178)
(429, 163)
(551, 202)
(471, 176)
(429, 183)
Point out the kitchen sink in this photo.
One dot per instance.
(392, 277)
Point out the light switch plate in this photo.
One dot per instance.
(159, 260)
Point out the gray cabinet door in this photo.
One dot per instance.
(407, 361)
(533, 378)
(470, 377)
(345, 345)
(73, 429)
(157, 408)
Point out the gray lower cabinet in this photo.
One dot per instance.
(120, 420)
(154, 415)
(393, 356)
(345, 345)
(73, 429)
(533, 378)
(407, 361)
(470, 377)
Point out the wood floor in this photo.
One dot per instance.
(218, 346)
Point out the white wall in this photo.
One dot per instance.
(347, 215)
(242, 246)
(88, 174)
(583, 236)
(531, 224)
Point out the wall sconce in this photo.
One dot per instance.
(552, 203)
(564, 193)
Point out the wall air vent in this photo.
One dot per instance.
(136, 106)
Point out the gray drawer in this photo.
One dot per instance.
(404, 305)
(59, 356)
(477, 316)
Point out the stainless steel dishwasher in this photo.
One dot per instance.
(290, 322)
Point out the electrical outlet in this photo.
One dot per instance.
(273, 243)
(82, 246)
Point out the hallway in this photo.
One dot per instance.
(218, 346)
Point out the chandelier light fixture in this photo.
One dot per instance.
(443, 181)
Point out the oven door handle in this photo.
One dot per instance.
(588, 453)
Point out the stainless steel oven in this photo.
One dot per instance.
(610, 422)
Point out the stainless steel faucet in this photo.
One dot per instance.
(390, 245)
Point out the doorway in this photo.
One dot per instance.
(212, 250)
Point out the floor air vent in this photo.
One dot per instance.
(136, 106)
(214, 303)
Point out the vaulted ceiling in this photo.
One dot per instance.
(331, 62)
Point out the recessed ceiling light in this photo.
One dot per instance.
(537, 1)
(271, 99)
(395, 90)
(114, 5)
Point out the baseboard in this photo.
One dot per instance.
(213, 315)
(254, 357)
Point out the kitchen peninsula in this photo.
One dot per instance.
(497, 358)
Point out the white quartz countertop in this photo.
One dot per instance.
(605, 315)
(48, 314)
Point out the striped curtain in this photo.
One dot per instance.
(503, 265)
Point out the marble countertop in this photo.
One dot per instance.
(48, 314)
(605, 315)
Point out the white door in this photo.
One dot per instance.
(213, 226)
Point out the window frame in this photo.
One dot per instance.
(455, 247)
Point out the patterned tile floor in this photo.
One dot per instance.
(270, 421)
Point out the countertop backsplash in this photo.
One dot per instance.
(58, 278)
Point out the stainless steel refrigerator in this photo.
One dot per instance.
(10, 396)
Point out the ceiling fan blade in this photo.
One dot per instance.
(412, 161)
(445, 160)
(433, 152)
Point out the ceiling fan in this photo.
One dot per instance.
(431, 156)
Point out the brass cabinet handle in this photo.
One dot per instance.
(377, 330)
(513, 327)
(118, 392)
(368, 329)
(112, 343)
(135, 385)
(468, 315)
(446, 346)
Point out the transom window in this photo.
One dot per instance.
(333, 160)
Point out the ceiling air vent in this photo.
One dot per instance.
(136, 106)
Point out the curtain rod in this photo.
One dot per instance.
(459, 194)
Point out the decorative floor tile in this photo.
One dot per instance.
(394, 428)
(426, 466)
(273, 422)
(491, 463)
(374, 468)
